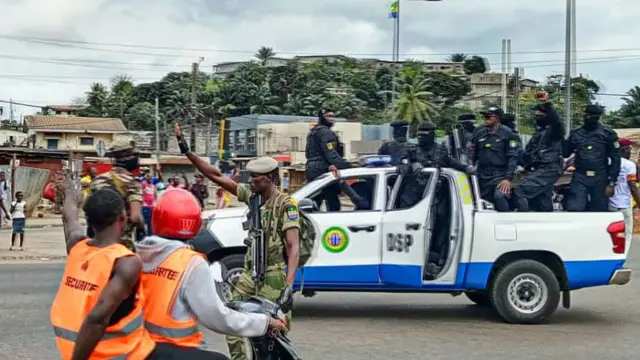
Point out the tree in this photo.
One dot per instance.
(414, 100)
(141, 116)
(476, 65)
(457, 57)
(629, 114)
(97, 101)
(264, 54)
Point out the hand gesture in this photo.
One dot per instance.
(542, 96)
(182, 144)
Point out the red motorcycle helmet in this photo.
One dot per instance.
(176, 215)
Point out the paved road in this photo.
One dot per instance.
(603, 324)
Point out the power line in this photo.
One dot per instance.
(56, 42)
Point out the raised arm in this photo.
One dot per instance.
(74, 232)
(208, 170)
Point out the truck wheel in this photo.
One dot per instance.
(525, 292)
(479, 298)
(235, 266)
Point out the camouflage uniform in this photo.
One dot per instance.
(275, 279)
(128, 186)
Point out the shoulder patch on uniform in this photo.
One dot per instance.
(330, 145)
(616, 144)
(292, 212)
(513, 143)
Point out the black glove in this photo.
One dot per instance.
(285, 300)
(182, 144)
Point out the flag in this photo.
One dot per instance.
(395, 9)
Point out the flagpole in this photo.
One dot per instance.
(395, 57)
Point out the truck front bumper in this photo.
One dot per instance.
(620, 277)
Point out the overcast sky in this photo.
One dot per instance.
(229, 30)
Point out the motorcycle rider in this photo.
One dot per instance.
(494, 151)
(597, 163)
(283, 243)
(177, 282)
(324, 149)
(543, 159)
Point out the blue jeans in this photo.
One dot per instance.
(146, 214)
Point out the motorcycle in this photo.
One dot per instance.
(272, 346)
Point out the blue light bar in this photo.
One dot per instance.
(376, 160)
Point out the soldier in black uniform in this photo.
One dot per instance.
(494, 151)
(404, 155)
(542, 159)
(597, 163)
(323, 150)
(509, 120)
(466, 122)
(432, 154)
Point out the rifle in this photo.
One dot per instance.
(256, 240)
(460, 152)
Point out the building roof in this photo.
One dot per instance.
(252, 121)
(74, 124)
(65, 107)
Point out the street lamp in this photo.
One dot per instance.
(395, 14)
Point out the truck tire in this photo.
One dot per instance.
(525, 292)
(235, 266)
(479, 298)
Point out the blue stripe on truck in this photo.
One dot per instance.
(472, 276)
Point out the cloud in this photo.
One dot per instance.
(229, 30)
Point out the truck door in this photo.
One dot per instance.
(349, 249)
(406, 234)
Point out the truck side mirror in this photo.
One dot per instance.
(307, 205)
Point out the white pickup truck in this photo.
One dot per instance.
(520, 264)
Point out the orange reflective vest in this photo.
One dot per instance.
(86, 274)
(162, 287)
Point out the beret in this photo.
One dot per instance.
(262, 165)
(624, 142)
(593, 109)
(426, 126)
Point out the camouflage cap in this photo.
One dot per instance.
(120, 145)
(262, 165)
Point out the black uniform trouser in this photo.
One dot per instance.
(587, 193)
(165, 351)
(489, 191)
(331, 193)
(535, 192)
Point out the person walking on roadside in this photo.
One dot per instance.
(18, 217)
(626, 190)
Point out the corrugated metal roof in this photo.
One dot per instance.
(35, 122)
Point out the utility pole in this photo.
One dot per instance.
(209, 135)
(567, 68)
(516, 95)
(11, 111)
(194, 101)
(504, 75)
(157, 120)
(574, 69)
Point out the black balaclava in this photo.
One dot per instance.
(426, 135)
(400, 131)
(322, 120)
(592, 117)
(467, 121)
(509, 120)
(542, 120)
(128, 162)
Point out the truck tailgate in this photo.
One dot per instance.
(580, 240)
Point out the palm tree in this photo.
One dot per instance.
(295, 106)
(263, 102)
(457, 57)
(97, 100)
(630, 109)
(181, 108)
(414, 99)
(265, 53)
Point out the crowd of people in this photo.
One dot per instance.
(144, 300)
